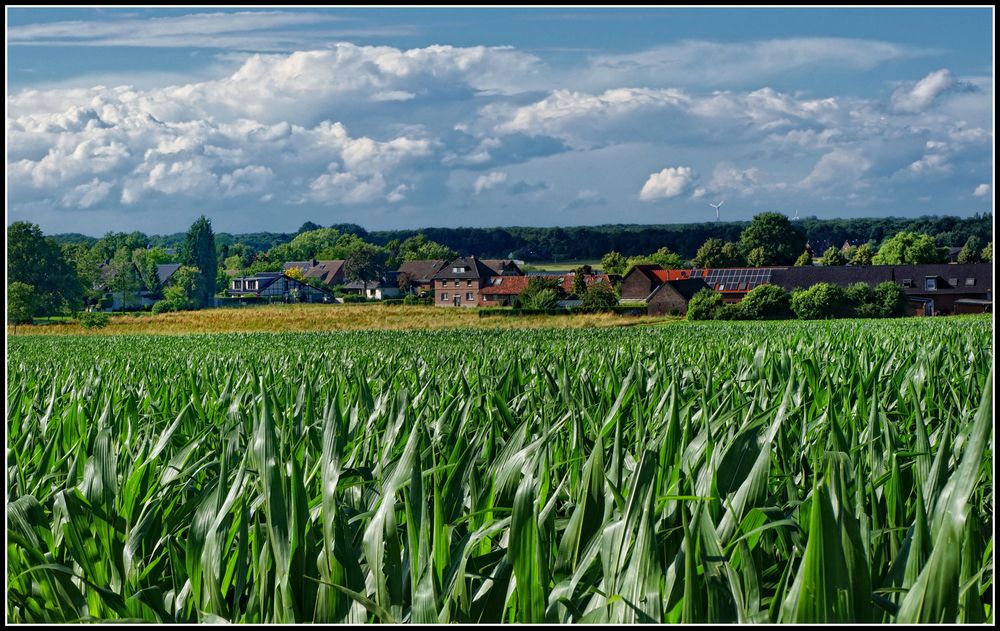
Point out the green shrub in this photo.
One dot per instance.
(94, 319)
(890, 300)
(859, 294)
(766, 302)
(705, 305)
(599, 295)
(820, 302)
(162, 306)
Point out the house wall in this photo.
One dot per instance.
(665, 300)
(974, 308)
(448, 286)
(636, 286)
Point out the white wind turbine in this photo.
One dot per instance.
(716, 207)
(796, 215)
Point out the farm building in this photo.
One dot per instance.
(933, 288)
(673, 296)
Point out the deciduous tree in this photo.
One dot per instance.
(771, 239)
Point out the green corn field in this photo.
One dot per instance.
(718, 472)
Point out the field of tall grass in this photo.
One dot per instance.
(718, 472)
(319, 317)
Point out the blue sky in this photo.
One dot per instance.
(142, 119)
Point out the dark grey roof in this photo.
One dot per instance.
(389, 280)
(806, 276)
(687, 287)
(422, 271)
(166, 270)
(503, 267)
(791, 277)
(473, 268)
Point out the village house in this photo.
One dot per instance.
(277, 287)
(504, 267)
(146, 299)
(471, 282)
(420, 273)
(385, 287)
(458, 284)
(331, 273)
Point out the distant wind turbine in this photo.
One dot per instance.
(796, 215)
(716, 207)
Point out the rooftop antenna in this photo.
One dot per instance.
(716, 207)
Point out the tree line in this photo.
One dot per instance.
(592, 242)
(770, 239)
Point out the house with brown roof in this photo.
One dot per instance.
(458, 284)
(673, 296)
(330, 273)
(421, 273)
(503, 267)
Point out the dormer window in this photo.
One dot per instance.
(237, 284)
(907, 282)
(930, 283)
(970, 282)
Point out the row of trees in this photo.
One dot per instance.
(819, 302)
(591, 242)
(771, 239)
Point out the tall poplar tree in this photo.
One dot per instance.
(199, 251)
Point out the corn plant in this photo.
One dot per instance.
(717, 472)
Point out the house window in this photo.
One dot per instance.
(468, 283)
(251, 284)
(444, 297)
(907, 282)
(468, 296)
(953, 282)
(237, 284)
(970, 282)
(930, 283)
(722, 287)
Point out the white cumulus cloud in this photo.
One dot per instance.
(982, 190)
(670, 182)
